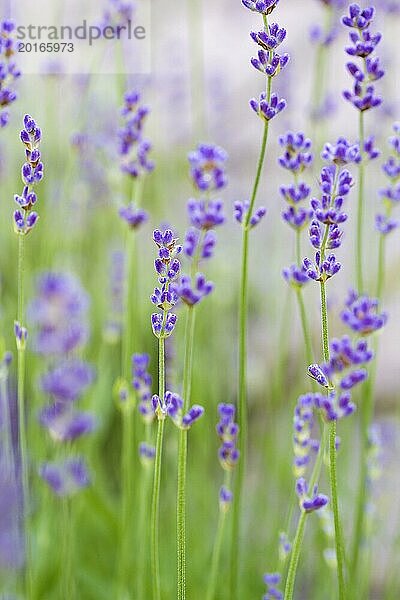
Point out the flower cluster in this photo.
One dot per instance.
(361, 314)
(264, 7)
(267, 108)
(303, 442)
(141, 382)
(268, 62)
(309, 503)
(363, 44)
(241, 214)
(344, 371)
(192, 293)
(272, 580)
(117, 14)
(59, 313)
(134, 150)
(207, 171)
(9, 71)
(173, 406)
(167, 267)
(114, 323)
(391, 194)
(228, 453)
(207, 167)
(296, 157)
(66, 477)
(32, 172)
(325, 232)
(228, 431)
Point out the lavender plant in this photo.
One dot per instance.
(268, 106)
(325, 234)
(133, 150)
(363, 97)
(9, 72)
(297, 157)
(25, 220)
(167, 268)
(207, 170)
(228, 455)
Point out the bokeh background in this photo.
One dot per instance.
(198, 90)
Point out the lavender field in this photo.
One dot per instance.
(199, 300)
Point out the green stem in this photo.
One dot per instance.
(127, 340)
(305, 327)
(360, 211)
(126, 530)
(298, 539)
(155, 505)
(67, 582)
(21, 410)
(332, 451)
(335, 506)
(381, 267)
(216, 555)
(319, 79)
(242, 401)
(182, 458)
(367, 411)
(295, 555)
(142, 524)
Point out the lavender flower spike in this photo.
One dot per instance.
(9, 72)
(265, 109)
(32, 173)
(307, 503)
(361, 314)
(65, 478)
(207, 167)
(264, 7)
(167, 267)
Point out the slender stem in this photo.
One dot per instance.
(216, 555)
(332, 453)
(381, 266)
(23, 452)
(155, 510)
(304, 326)
(126, 530)
(367, 411)
(141, 578)
(67, 582)
(319, 77)
(242, 403)
(360, 211)
(127, 340)
(335, 506)
(295, 555)
(298, 539)
(182, 458)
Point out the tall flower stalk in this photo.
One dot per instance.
(325, 234)
(296, 158)
(385, 224)
(167, 268)
(24, 221)
(228, 455)
(363, 98)
(269, 63)
(133, 150)
(207, 169)
(9, 71)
